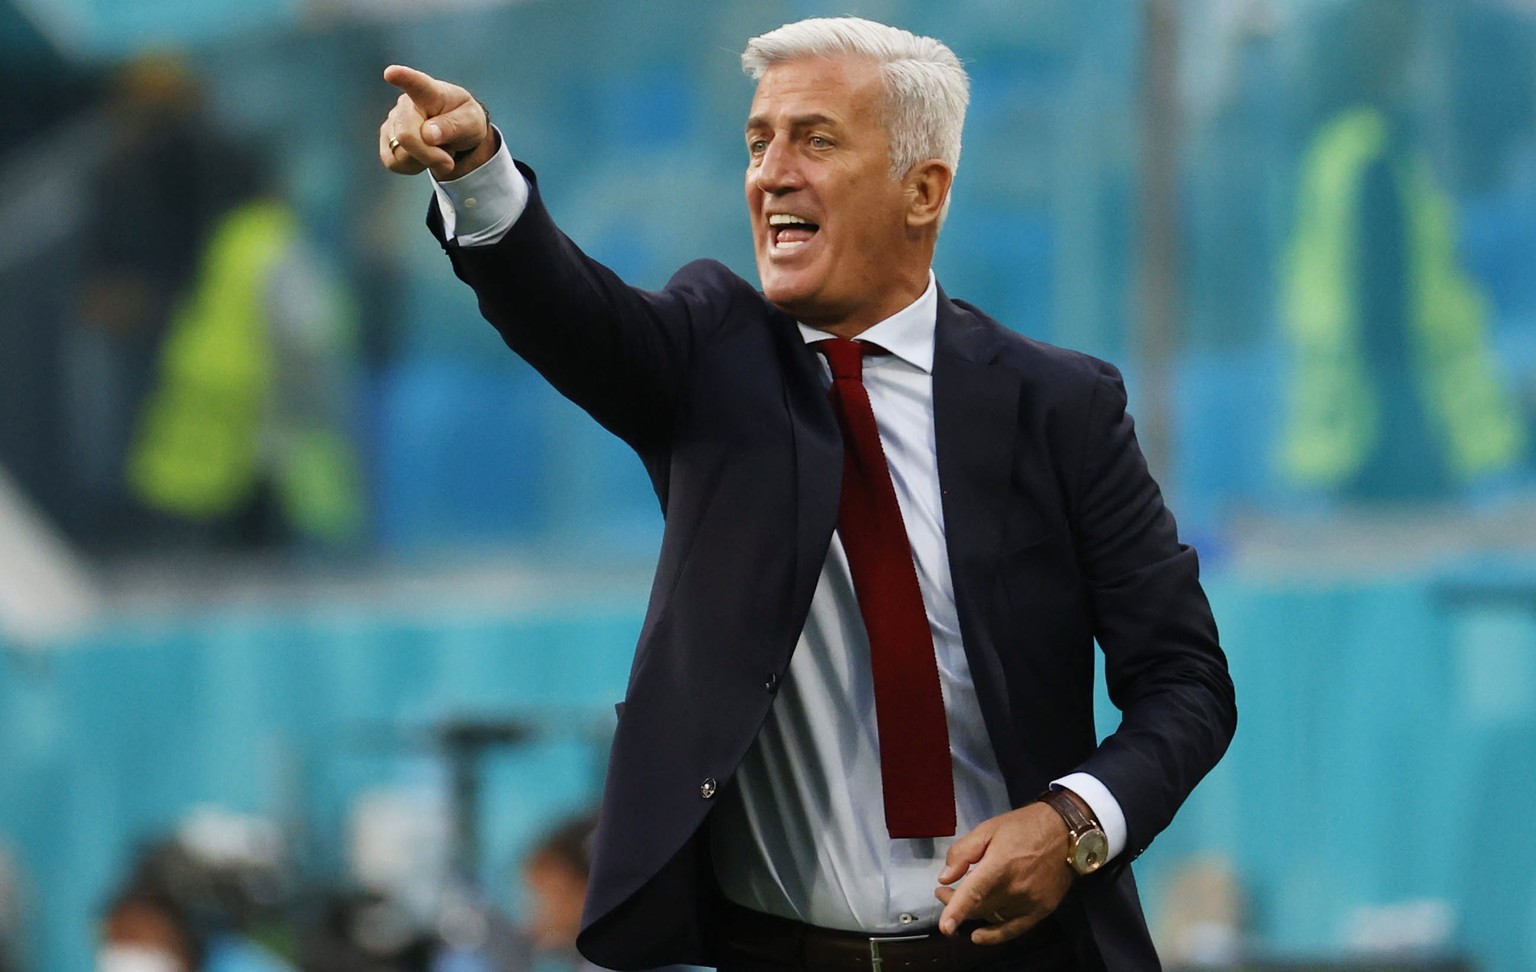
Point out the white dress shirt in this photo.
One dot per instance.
(802, 833)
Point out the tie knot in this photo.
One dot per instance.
(844, 356)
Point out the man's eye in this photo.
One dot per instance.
(757, 146)
(820, 142)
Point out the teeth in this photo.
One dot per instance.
(784, 219)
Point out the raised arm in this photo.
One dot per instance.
(618, 352)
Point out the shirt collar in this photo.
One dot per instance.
(907, 334)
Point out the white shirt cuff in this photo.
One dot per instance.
(478, 209)
(1103, 804)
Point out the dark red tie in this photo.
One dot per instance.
(915, 772)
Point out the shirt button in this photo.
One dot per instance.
(907, 918)
(708, 787)
(771, 682)
(471, 202)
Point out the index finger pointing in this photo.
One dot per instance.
(427, 92)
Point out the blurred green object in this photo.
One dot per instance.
(221, 422)
(1343, 400)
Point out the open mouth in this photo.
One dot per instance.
(787, 232)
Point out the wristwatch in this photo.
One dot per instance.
(1087, 847)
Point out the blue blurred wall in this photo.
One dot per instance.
(1387, 729)
(110, 741)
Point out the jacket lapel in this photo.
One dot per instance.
(818, 458)
(975, 409)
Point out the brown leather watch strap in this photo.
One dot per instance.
(1062, 802)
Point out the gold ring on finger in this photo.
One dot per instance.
(394, 144)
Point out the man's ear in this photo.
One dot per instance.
(927, 187)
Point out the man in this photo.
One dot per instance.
(869, 648)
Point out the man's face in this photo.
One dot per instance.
(828, 220)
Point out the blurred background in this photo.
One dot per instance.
(314, 601)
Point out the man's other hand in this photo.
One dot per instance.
(431, 122)
(1015, 868)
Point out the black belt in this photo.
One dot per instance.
(751, 938)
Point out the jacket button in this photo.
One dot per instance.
(708, 787)
(771, 682)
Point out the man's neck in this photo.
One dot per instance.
(898, 299)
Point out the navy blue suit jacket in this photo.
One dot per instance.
(1057, 537)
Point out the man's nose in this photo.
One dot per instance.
(777, 172)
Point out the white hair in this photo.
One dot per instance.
(926, 88)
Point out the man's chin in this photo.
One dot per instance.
(787, 305)
(790, 300)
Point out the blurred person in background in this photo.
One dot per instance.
(859, 727)
(146, 930)
(166, 176)
(555, 875)
(211, 906)
(1395, 394)
(245, 439)
(208, 382)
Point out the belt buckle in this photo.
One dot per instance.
(875, 943)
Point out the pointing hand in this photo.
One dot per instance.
(431, 122)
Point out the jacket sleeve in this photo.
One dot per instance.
(620, 353)
(1164, 667)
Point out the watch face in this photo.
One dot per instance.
(1090, 851)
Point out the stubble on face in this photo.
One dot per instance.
(828, 219)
